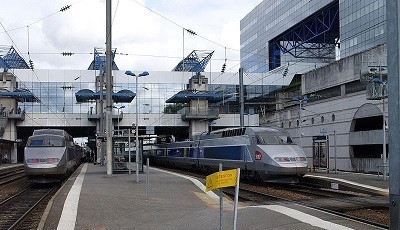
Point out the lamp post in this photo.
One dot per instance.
(300, 119)
(118, 108)
(145, 73)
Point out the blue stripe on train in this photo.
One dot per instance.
(224, 152)
(220, 152)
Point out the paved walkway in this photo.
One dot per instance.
(93, 200)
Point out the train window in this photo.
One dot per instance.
(56, 142)
(268, 139)
(265, 139)
(285, 139)
(38, 142)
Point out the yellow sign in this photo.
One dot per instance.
(221, 179)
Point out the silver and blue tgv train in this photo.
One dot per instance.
(263, 154)
(50, 156)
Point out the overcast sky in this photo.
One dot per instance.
(147, 34)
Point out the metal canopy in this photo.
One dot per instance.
(21, 95)
(188, 95)
(315, 37)
(195, 62)
(99, 62)
(85, 95)
(11, 60)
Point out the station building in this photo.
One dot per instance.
(57, 99)
(303, 48)
(337, 48)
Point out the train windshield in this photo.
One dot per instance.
(274, 139)
(52, 141)
(36, 142)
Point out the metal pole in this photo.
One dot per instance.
(101, 111)
(129, 151)
(137, 132)
(301, 144)
(147, 177)
(384, 140)
(118, 122)
(383, 125)
(109, 88)
(241, 97)
(235, 207)
(334, 138)
(221, 204)
(393, 59)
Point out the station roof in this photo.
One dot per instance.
(188, 95)
(85, 95)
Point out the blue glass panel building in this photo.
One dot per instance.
(307, 31)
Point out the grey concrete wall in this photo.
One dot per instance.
(345, 108)
(342, 71)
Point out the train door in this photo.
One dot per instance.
(321, 152)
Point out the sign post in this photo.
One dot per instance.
(221, 204)
(235, 207)
(223, 179)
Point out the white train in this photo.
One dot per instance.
(50, 155)
(263, 154)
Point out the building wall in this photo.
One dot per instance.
(337, 113)
(343, 71)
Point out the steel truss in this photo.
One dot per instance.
(195, 62)
(315, 37)
(99, 61)
(12, 60)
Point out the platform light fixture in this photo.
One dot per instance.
(130, 73)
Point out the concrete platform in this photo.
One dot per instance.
(10, 166)
(358, 182)
(93, 200)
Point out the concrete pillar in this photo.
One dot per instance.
(198, 107)
(9, 106)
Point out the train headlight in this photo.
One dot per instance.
(52, 160)
(282, 159)
(32, 161)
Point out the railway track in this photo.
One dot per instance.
(354, 206)
(17, 211)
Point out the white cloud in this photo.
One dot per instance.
(151, 41)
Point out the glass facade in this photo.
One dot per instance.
(362, 26)
(57, 94)
(59, 97)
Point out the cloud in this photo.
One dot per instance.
(147, 34)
